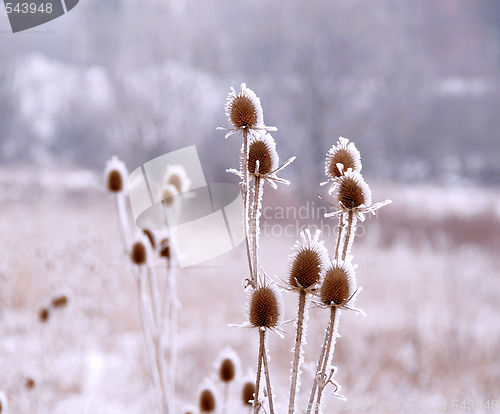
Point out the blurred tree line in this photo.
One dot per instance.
(415, 84)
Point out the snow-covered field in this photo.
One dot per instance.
(431, 291)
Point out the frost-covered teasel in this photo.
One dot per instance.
(339, 286)
(265, 307)
(262, 161)
(244, 111)
(340, 158)
(352, 194)
(140, 252)
(208, 399)
(115, 175)
(176, 175)
(307, 261)
(306, 267)
(228, 365)
(248, 393)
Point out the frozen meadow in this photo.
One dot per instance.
(431, 291)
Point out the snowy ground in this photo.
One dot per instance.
(428, 267)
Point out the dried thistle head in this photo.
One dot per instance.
(168, 193)
(60, 301)
(243, 109)
(165, 248)
(208, 401)
(176, 175)
(352, 191)
(339, 285)
(44, 314)
(115, 175)
(248, 393)
(140, 250)
(228, 365)
(307, 261)
(265, 307)
(341, 157)
(30, 383)
(262, 152)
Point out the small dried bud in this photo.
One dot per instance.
(165, 248)
(138, 254)
(30, 383)
(115, 182)
(176, 176)
(247, 393)
(207, 401)
(339, 285)
(265, 307)
(60, 301)
(115, 175)
(44, 314)
(168, 194)
(227, 370)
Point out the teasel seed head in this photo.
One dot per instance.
(168, 194)
(352, 191)
(265, 307)
(344, 153)
(115, 175)
(262, 149)
(247, 393)
(243, 109)
(165, 248)
(44, 314)
(207, 400)
(339, 284)
(228, 365)
(307, 262)
(176, 175)
(140, 250)
(30, 383)
(59, 301)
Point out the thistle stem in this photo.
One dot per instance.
(266, 372)
(318, 368)
(226, 398)
(351, 222)
(123, 220)
(255, 225)
(332, 332)
(297, 350)
(245, 205)
(341, 230)
(256, 406)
